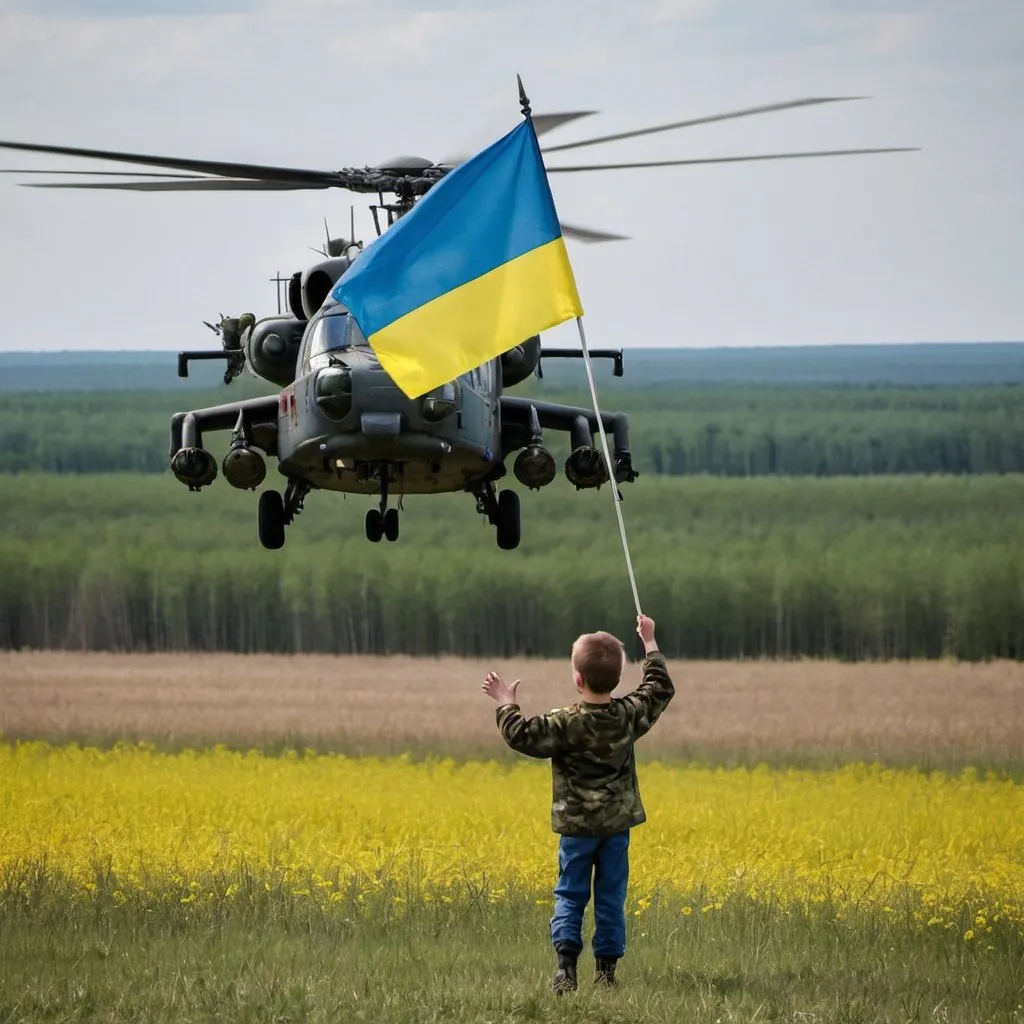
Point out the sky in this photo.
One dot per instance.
(909, 247)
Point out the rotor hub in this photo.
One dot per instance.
(405, 165)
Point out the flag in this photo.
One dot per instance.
(478, 266)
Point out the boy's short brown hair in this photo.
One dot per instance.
(598, 657)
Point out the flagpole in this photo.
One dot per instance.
(610, 466)
(523, 101)
(616, 497)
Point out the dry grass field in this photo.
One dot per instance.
(929, 714)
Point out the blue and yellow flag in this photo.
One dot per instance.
(478, 266)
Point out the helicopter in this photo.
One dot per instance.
(339, 422)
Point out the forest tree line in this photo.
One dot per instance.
(882, 567)
(720, 430)
(927, 364)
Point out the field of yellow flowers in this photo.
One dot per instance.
(217, 826)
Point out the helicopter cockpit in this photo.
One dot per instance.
(333, 331)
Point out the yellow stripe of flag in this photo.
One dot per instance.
(477, 320)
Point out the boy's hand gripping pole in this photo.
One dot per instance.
(616, 497)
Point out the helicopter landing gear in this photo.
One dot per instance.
(276, 511)
(381, 524)
(374, 525)
(508, 524)
(270, 520)
(502, 511)
(383, 521)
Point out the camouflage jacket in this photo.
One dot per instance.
(595, 791)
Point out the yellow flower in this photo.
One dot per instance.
(133, 823)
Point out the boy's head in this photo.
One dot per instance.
(597, 661)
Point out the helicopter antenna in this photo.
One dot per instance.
(278, 281)
(327, 235)
(352, 223)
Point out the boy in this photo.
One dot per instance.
(596, 797)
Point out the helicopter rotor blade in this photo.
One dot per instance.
(226, 169)
(590, 234)
(199, 185)
(731, 159)
(542, 123)
(106, 174)
(748, 112)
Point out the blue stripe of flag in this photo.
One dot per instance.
(486, 212)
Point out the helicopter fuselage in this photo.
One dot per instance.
(340, 422)
(442, 442)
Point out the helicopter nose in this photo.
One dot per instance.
(381, 403)
(381, 409)
(385, 424)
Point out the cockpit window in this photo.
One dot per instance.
(331, 334)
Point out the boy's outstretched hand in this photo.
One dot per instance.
(497, 689)
(645, 630)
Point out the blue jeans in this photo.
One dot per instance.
(607, 860)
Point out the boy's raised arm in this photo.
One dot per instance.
(651, 697)
(541, 736)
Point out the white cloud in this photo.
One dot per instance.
(875, 33)
(89, 9)
(894, 33)
(663, 11)
(140, 50)
(410, 40)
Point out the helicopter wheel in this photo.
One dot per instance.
(374, 525)
(391, 524)
(270, 520)
(508, 520)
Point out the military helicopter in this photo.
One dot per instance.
(339, 423)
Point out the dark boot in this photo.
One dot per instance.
(605, 971)
(565, 977)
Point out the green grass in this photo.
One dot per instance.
(285, 961)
